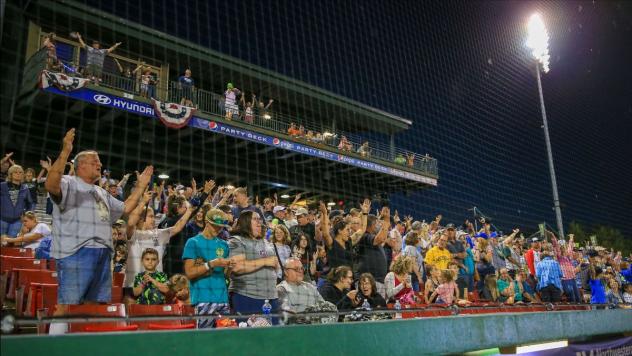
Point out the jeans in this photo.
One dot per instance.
(10, 228)
(550, 294)
(85, 276)
(571, 290)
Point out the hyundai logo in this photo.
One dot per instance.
(102, 99)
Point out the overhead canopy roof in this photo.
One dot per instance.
(213, 69)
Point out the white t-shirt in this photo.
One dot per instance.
(141, 240)
(42, 229)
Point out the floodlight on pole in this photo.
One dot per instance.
(538, 41)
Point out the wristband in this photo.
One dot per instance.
(208, 267)
(365, 214)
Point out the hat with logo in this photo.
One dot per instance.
(217, 217)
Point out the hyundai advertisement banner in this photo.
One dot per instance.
(145, 109)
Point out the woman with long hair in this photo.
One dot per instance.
(281, 239)
(253, 278)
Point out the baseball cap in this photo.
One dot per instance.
(119, 222)
(216, 217)
(416, 225)
(301, 211)
(278, 208)
(450, 226)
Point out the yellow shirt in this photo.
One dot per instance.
(438, 258)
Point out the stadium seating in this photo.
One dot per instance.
(107, 310)
(159, 310)
(17, 252)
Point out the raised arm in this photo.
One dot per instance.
(81, 43)
(141, 184)
(324, 221)
(182, 222)
(118, 65)
(382, 235)
(134, 217)
(56, 171)
(356, 236)
(111, 49)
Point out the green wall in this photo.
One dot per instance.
(453, 334)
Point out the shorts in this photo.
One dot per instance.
(210, 309)
(94, 70)
(232, 108)
(85, 276)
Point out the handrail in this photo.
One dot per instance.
(213, 103)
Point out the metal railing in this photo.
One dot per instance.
(212, 103)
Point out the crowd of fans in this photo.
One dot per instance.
(233, 102)
(212, 248)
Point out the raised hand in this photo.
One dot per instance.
(209, 185)
(46, 164)
(147, 197)
(193, 185)
(322, 207)
(145, 177)
(366, 206)
(68, 140)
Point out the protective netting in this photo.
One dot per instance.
(212, 156)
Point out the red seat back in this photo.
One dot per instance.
(37, 298)
(118, 278)
(156, 310)
(7, 263)
(95, 311)
(17, 252)
(24, 278)
(117, 294)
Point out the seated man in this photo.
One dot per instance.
(294, 294)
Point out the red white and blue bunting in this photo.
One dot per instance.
(61, 81)
(173, 115)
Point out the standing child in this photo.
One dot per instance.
(150, 285)
(447, 292)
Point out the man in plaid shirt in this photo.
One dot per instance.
(564, 257)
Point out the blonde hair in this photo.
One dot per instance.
(447, 276)
(178, 282)
(402, 265)
(286, 232)
(12, 170)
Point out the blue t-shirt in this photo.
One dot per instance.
(598, 292)
(209, 288)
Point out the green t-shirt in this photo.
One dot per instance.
(151, 294)
(210, 288)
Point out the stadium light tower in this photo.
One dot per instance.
(538, 42)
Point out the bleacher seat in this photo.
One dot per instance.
(40, 296)
(118, 278)
(92, 311)
(23, 279)
(8, 263)
(17, 252)
(159, 310)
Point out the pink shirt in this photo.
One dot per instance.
(445, 291)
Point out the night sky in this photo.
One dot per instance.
(460, 71)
